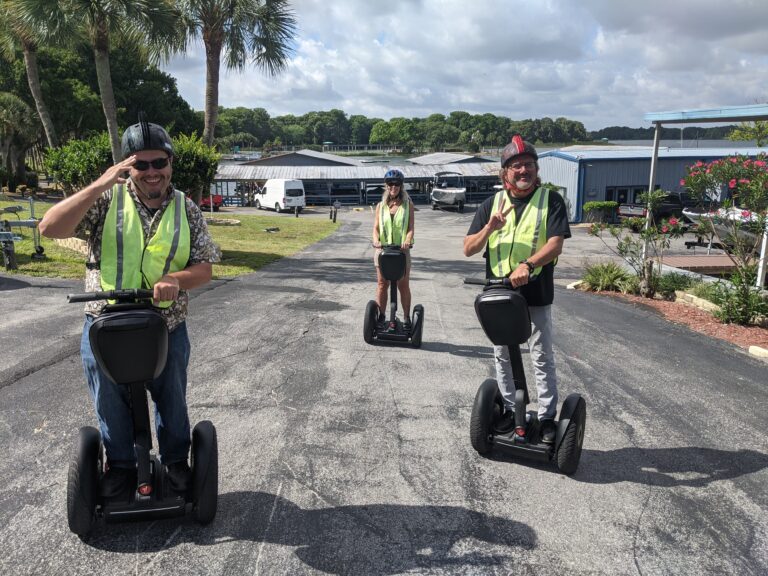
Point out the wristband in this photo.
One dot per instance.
(530, 266)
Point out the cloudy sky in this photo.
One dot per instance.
(602, 62)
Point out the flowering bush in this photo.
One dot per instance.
(741, 183)
(643, 251)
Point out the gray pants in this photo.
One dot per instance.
(543, 358)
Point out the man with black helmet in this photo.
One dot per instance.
(164, 245)
(522, 229)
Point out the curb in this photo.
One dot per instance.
(758, 352)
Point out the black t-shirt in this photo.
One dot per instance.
(540, 292)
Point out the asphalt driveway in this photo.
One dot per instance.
(339, 457)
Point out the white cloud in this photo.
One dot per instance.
(602, 62)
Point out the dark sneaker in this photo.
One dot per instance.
(116, 481)
(548, 431)
(407, 325)
(178, 474)
(506, 422)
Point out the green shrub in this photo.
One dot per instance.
(741, 302)
(709, 291)
(667, 284)
(634, 223)
(598, 211)
(608, 276)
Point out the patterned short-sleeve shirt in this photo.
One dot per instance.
(202, 248)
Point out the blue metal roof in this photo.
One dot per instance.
(722, 114)
(646, 152)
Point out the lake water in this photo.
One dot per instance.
(689, 143)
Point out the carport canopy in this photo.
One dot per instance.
(725, 114)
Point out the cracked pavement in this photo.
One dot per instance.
(338, 457)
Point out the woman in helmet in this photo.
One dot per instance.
(393, 224)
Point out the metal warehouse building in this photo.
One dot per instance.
(328, 178)
(595, 173)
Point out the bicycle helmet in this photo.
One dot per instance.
(394, 175)
(145, 136)
(517, 147)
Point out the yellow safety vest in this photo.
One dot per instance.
(126, 260)
(393, 230)
(517, 241)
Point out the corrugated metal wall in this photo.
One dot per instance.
(564, 174)
(599, 175)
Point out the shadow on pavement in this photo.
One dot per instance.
(12, 284)
(668, 467)
(365, 539)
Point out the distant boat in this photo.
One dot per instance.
(719, 217)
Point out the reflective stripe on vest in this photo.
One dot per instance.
(517, 241)
(127, 261)
(393, 230)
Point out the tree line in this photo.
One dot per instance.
(254, 128)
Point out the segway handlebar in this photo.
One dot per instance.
(390, 246)
(489, 282)
(131, 295)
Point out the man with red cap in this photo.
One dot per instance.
(522, 229)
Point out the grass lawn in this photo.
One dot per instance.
(244, 248)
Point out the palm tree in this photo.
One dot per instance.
(259, 30)
(13, 32)
(19, 130)
(97, 22)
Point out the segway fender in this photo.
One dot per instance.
(566, 413)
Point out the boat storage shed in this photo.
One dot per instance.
(620, 173)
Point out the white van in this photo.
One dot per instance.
(281, 194)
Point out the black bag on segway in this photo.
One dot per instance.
(504, 316)
(392, 264)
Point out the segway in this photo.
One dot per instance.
(503, 314)
(131, 324)
(392, 261)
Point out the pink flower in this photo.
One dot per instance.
(732, 183)
(733, 160)
(682, 181)
(759, 163)
(665, 229)
(743, 181)
(699, 164)
(746, 213)
(673, 221)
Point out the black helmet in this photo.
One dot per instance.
(146, 136)
(394, 175)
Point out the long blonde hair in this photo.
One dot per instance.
(403, 195)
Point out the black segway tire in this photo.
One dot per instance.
(569, 447)
(418, 325)
(83, 482)
(481, 421)
(369, 326)
(205, 472)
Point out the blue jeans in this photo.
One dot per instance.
(168, 391)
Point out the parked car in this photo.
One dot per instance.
(448, 189)
(205, 203)
(281, 194)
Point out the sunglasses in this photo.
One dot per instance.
(157, 164)
(394, 183)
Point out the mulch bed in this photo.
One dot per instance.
(701, 321)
